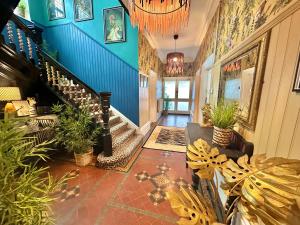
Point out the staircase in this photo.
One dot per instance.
(25, 43)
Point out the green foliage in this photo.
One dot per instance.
(75, 130)
(22, 5)
(224, 115)
(26, 190)
(167, 103)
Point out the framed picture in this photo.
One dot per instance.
(296, 86)
(114, 25)
(56, 9)
(83, 10)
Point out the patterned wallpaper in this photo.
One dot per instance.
(233, 22)
(148, 58)
(208, 45)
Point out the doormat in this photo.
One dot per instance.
(167, 138)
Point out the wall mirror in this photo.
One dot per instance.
(242, 77)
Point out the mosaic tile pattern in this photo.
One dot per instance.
(161, 182)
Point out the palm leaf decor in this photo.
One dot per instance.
(191, 207)
(269, 189)
(204, 159)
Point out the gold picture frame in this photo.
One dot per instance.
(260, 45)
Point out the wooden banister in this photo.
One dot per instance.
(62, 82)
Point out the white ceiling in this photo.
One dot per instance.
(190, 37)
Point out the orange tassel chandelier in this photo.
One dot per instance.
(159, 16)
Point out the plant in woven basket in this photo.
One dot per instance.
(224, 117)
(76, 132)
(26, 189)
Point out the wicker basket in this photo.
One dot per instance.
(221, 136)
(84, 159)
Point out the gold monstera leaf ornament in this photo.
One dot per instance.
(191, 207)
(268, 189)
(205, 159)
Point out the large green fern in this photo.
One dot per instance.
(26, 189)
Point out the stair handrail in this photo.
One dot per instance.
(24, 28)
(67, 72)
(55, 63)
(43, 57)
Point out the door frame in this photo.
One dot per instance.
(176, 100)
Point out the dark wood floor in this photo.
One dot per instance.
(173, 120)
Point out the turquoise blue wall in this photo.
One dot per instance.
(127, 51)
(81, 49)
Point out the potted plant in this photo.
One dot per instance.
(206, 115)
(76, 132)
(223, 117)
(22, 8)
(166, 105)
(27, 189)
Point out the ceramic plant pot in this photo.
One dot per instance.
(221, 136)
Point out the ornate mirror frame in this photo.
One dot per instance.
(263, 44)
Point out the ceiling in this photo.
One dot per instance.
(190, 37)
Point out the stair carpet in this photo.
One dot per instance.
(125, 140)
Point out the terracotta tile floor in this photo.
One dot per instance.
(112, 198)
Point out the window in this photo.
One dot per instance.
(22, 9)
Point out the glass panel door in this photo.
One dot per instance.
(178, 92)
(184, 89)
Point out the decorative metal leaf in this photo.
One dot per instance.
(204, 159)
(191, 207)
(269, 188)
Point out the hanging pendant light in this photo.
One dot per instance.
(159, 16)
(175, 61)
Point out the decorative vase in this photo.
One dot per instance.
(165, 112)
(221, 136)
(85, 158)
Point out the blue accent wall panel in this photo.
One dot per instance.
(97, 66)
(128, 50)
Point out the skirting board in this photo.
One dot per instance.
(145, 129)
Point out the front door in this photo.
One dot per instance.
(178, 93)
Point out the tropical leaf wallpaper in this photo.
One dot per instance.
(208, 45)
(148, 58)
(233, 22)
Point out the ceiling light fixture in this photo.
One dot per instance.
(175, 61)
(159, 16)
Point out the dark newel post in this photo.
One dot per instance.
(106, 136)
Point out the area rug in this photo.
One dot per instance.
(167, 138)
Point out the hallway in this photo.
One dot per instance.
(175, 120)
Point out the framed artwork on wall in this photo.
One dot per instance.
(114, 25)
(296, 86)
(56, 9)
(83, 10)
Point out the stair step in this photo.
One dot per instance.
(122, 137)
(122, 154)
(114, 130)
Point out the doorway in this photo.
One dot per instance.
(178, 92)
